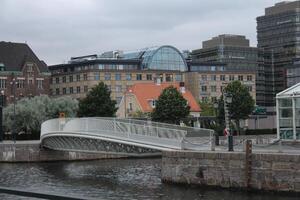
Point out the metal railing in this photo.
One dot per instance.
(130, 130)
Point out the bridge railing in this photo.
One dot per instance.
(146, 132)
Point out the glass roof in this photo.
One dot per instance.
(159, 58)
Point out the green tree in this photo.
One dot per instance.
(32, 112)
(97, 103)
(242, 102)
(207, 108)
(170, 107)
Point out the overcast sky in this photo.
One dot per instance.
(59, 29)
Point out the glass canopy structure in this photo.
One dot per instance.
(159, 58)
(288, 113)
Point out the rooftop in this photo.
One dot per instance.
(14, 55)
(145, 92)
(282, 7)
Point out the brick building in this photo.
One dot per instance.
(21, 72)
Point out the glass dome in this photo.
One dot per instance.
(160, 58)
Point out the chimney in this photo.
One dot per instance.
(181, 87)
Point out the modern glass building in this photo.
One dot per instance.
(118, 70)
(288, 113)
(159, 58)
(278, 33)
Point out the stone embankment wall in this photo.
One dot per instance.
(269, 171)
(31, 152)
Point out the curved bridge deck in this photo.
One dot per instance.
(121, 136)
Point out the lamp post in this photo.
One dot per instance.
(13, 84)
(228, 100)
(1, 115)
(216, 106)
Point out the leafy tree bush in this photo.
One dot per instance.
(170, 107)
(97, 103)
(31, 112)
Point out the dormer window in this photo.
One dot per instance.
(29, 67)
(152, 103)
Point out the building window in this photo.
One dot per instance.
(153, 103)
(20, 83)
(107, 76)
(213, 88)
(109, 87)
(57, 91)
(57, 80)
(204, 78)
(203, 88)
(40, 84)
(64, 90)
(78, 77)
(249, 88)
(71, 90)
(64, 79)
(30, 81)
(130, 107)
(249, 78)
(222, 77)
(85, 77)
(2, 83)
(118, 88)
(222, 88)
(213, 77)
(96, 76)
(240, 77)
(204, 99)
(128, 77)
(139, 77)
(178, 77)
(117, 77)
(29, 68)
(149, 77)
(169, 77)
(78, 89)
(70, 78)
(231, 77)
(118, 100)
(85, 88)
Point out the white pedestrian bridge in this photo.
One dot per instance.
(118, 136)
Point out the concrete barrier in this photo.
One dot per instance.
(29, 151)
(269, 171)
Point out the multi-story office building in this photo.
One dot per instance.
(165, 64)
(240, 62)
(293, 74)
(278, 38)
(22, 74)
(206, 81)
(118, 70)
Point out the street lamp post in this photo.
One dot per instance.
(216, 106)
(1, 115)
(228, 100)
(13, 84)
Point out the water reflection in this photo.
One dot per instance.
(109, 179)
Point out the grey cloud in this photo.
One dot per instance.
(58, 29)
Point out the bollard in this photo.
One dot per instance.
(230, 142)
(217, 139)
(212, 142)
(280, 146)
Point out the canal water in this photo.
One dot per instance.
(110, 179)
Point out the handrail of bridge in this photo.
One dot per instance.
(128, 129)
(191, 131)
